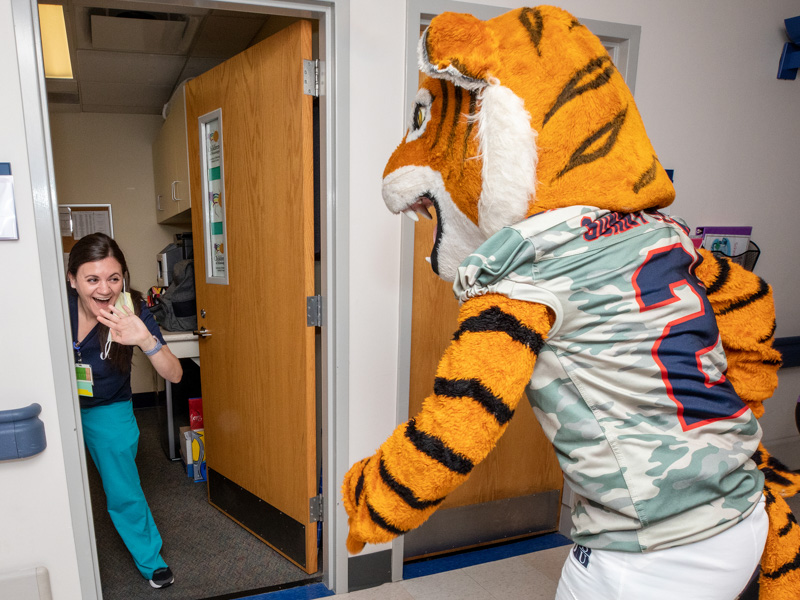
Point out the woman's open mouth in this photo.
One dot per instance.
(102, 302)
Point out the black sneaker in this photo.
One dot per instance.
(162, 578)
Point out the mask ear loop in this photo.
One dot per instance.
(104, 353)
(107, 349)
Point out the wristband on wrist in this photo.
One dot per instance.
(154, 349)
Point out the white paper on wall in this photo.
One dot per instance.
(8, 211)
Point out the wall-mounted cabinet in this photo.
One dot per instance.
(171, 166)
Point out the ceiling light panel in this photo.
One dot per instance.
(55, 49)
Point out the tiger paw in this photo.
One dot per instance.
(354, 545)
(352, 487)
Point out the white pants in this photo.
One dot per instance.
(717, 568)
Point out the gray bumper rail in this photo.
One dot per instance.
(21, 433)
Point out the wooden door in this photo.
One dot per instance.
(521, 476)
(257, 365)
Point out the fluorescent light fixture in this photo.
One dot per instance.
(54, 42)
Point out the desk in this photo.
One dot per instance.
(183, 344)
(173, 410)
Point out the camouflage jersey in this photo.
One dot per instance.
(630, 385)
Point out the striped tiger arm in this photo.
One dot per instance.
(745, 313)
(479, 381)
(743, 306)
(780, 562)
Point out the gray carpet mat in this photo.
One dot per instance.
(209, 554)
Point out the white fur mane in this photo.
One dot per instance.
(507, 145)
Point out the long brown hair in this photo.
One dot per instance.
(93, 248)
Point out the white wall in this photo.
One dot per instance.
(715, 112)
(35, 521)
(107, 159)
(377, 120)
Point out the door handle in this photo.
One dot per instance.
(202, 332)
(158, 202)
(174, 197)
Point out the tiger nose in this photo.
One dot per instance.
(398, 189)
(398, 159)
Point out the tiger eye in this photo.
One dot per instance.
(419, 117)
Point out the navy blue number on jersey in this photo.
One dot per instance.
(665, 281)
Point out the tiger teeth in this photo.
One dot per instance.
(418, 208)
(411, 214)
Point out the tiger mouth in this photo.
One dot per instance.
(419, 207)
(413, 190)
(422, 206)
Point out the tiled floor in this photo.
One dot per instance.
(531, 576)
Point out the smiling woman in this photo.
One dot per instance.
(107, 321)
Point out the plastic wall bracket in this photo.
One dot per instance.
(790, 61)
(790, 57)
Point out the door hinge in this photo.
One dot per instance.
(312, 84)
(314, 311)
(316, 505)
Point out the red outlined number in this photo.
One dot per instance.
(665, 283)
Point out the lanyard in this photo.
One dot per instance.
(83, 374)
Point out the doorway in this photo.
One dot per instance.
(322, 18)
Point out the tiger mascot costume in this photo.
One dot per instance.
(526, 143)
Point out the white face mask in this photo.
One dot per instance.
(124, 299)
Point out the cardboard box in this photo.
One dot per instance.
(196, 413)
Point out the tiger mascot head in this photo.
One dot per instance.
(519, 114)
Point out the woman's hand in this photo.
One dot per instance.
(126, 328)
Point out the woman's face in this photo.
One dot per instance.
(98, 285)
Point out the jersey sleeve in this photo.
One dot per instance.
(479, 381)
(745, 314)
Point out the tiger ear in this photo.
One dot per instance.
(460, 48)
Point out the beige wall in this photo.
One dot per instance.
(106, 159)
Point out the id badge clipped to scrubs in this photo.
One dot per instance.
(83, 373)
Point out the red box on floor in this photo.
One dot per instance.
(195, 413)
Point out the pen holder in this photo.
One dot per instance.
(747, 259)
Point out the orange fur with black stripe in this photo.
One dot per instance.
(522, 114)
(479, 382)
(745, 314)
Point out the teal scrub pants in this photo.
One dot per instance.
(112, 437)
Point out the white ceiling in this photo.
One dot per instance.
(128, 57)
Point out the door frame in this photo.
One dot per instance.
(621, 39)
(334, 19)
